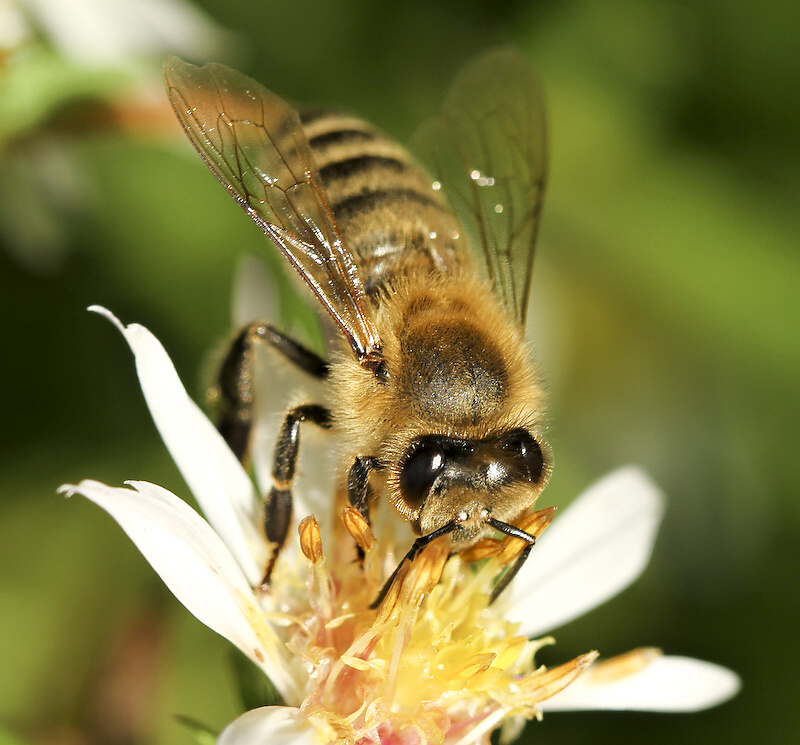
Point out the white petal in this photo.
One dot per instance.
(276, 725)
(668, 684)
(600, 544)
(14, 28)
(216, 478)
(103, 32)
(256, 298)
(196, 566)
(255, 295)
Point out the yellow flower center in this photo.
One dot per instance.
(433, 663)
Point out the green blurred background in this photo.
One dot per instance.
(665, 315)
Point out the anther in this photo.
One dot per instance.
(425, 571)
(357, 526)
(484, 549)
(624, 665)
(535, 524)
(310, 539)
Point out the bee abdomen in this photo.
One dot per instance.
(385, 205)
(360, 165)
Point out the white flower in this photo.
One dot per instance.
(433, 663)
(110, 32)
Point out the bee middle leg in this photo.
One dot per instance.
(234, 389)
(278, 504)
(236, 397)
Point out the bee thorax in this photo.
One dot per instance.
(453, 371)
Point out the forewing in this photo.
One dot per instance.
(254, 144)
(487, 147)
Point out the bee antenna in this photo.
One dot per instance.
(511, 572)
(512, 530)
(418, 545)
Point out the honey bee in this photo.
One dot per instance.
(432, 395)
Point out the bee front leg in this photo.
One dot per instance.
(278, 504)
(359, 492)
(234, 388)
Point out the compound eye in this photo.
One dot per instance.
(419, 471)
(529, 453)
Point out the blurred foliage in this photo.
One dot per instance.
(665, 317)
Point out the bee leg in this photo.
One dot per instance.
(518, 562)
(234, 387)
(278, 504)
(359, 492)
(417, 546)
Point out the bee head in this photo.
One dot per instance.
(468, 482)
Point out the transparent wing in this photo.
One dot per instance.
(487, 147)
(254, 144)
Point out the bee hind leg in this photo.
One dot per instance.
(234, 389)
(278, 504)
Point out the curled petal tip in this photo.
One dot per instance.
(106, 313)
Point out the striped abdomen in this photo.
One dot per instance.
(384, 204)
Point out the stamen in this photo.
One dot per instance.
(359, 664)
(484, 549)
(358, 528)
(389, 608)
(310, 539)
(425, 571)
(472, 667)
(539, 686)
(535, 524)
(514, 647)
(623, 665)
